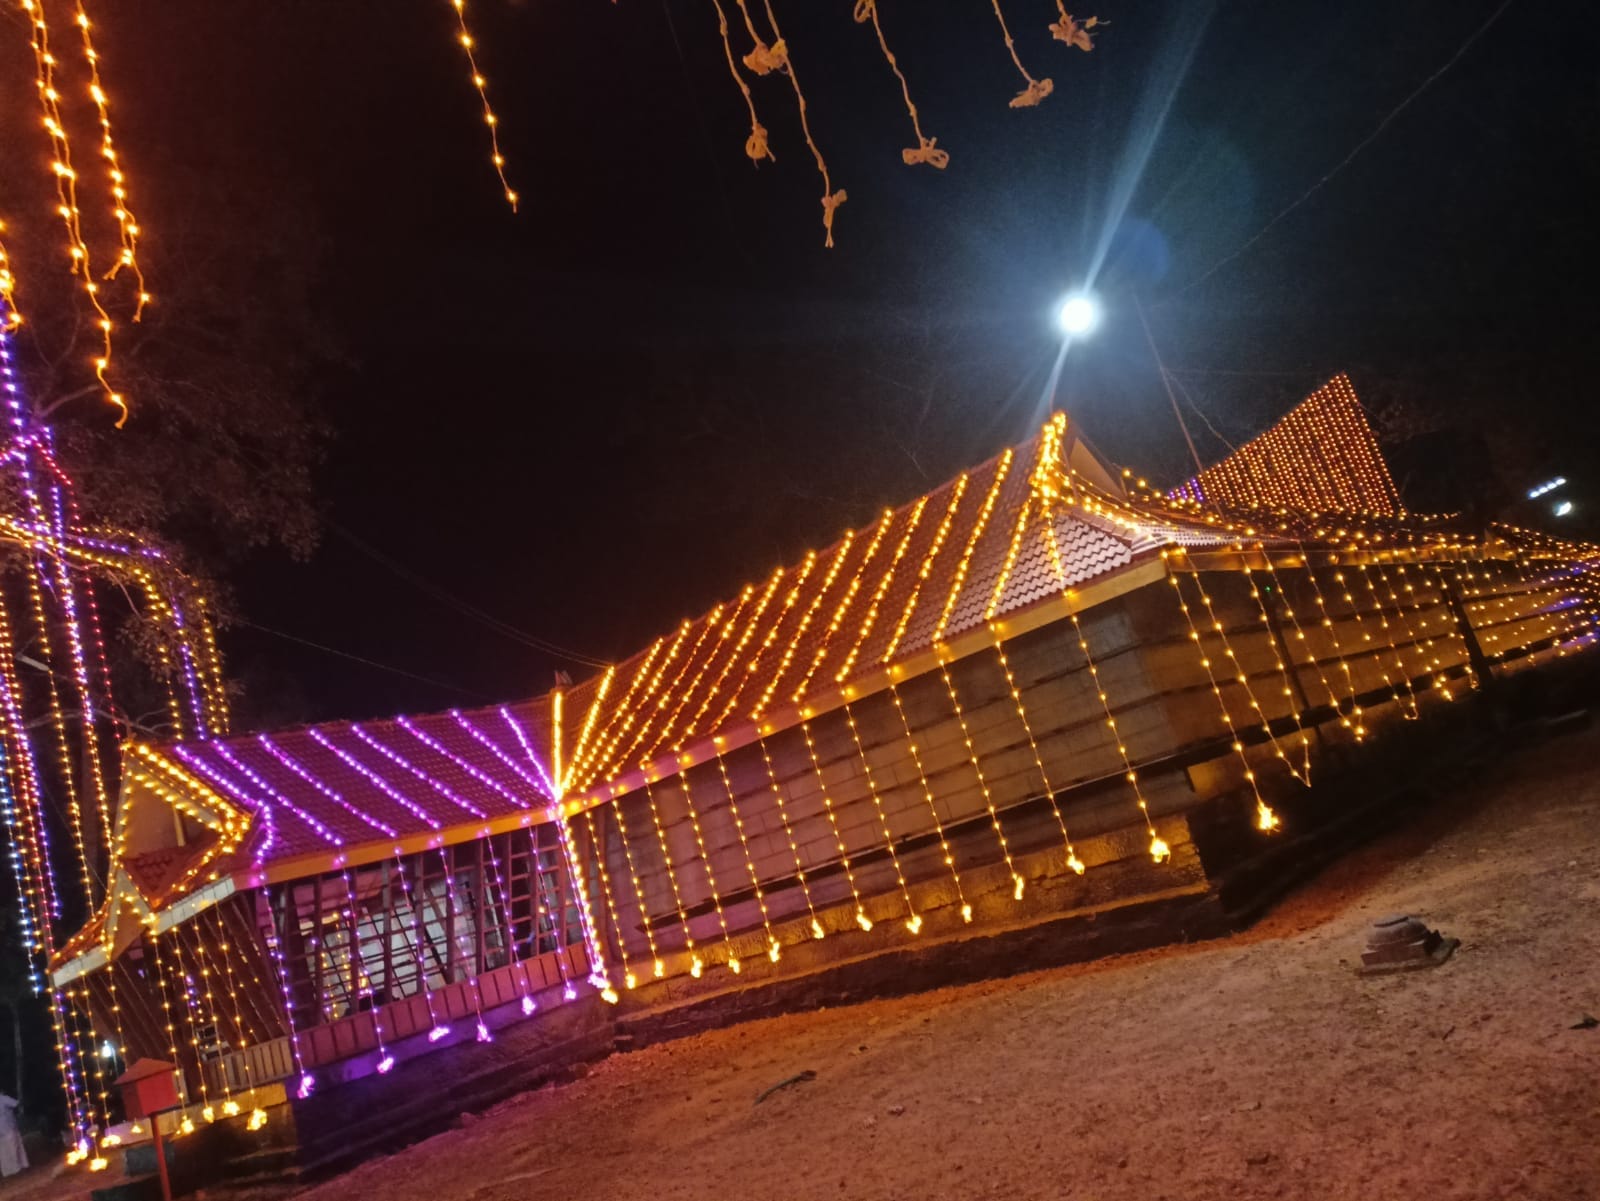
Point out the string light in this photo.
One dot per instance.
(782, 808)
(127, 223)
(481, 85)
(862, 919)
(913, 918)
(696, 964)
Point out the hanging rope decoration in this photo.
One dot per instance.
(763, 59)
(1075, 33)
(489, 118)
(755, 146)
(925, 151)
(1037, 89)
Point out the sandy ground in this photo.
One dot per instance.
(1260, 1066)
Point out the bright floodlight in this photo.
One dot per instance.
(1079, 315)
(1563, 508)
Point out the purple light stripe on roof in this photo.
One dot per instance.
(333, 795)
(210, 769)
(522, 737)
(376, 780)
(394, 756)
(433, 744)
(546, 789)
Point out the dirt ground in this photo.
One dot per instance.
(1259, 1066)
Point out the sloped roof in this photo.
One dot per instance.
(995, 540)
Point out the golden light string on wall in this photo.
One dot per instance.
(122, 209)
(774, 948)
(1355, 721)
(732, 956)
(10, 314)
(657, 967)
(945, 850)
(1281, 660)
(1430, 652)
(1242, 678)
(1413, 640)
(913, 919)
(481, 85)
(201, 1002)
(1160, 852)
(670, 691)
(696, 964)
(862, 919)
(246, 1034)
(80, 1030)
(67, 194)
(152, 943)
(1300, 638)
(1376, 649)
(782, 807)
(1398, 658)
(629, 980)
(1073, 862)
(1018, 884)
(926, 150)
(1037, 89)
(825, 642)
(1266, 819)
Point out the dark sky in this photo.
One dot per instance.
(598, 416)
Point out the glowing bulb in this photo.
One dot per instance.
(483, 1031)
(1078, 315)
(914, 923)
(258, 1119)
(306, 1085)
(209, 1114)
(1159, 850)
(1017, 885)
(608, 995)
(1562, 508)
(863, 920)
(816, 929)
(385, 1065)
(696, 967)
(1075, 864)
(1266, 819)
(966, 913)
(528, 1006)
(437, 1033)
(98, 1164)
(187, 1125)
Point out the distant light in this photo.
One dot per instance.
(1563, 508)
(1079, 315)
(1547, 486)
(107, 1051)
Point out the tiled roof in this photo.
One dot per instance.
(994, 541)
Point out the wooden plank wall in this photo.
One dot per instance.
(1378, 632)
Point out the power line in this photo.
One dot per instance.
(488, 620)
(1360, 146)
(333, 650)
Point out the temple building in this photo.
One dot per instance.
(1001, 704)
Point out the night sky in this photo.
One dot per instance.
(596, 417)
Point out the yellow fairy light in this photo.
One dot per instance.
(913, 919)
(66, 178)
(824, 644)
(876, 599)
(933, 808)
(978, 527)
(582, 743)
(696, 966)
(710, 873)
(774, 949)
(862, 919)
(1073, 861)
(583, 768)
(788, 833)
(715, 688)
(657, 967)
(1159, 850)
(127, 223)
(482, 86)
(795, 639)
(956, 493)
(606, 893)
(1017, 882)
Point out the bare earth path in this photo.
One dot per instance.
(1259, 1066)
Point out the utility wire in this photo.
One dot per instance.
(504, 629)
(1360, 146)
(333, 650)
